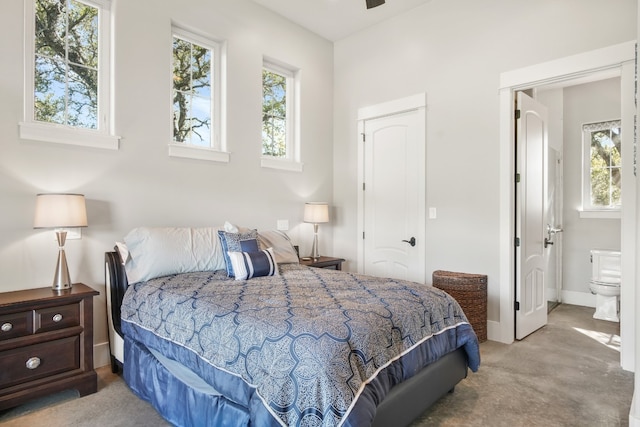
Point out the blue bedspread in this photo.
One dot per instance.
(301, 347)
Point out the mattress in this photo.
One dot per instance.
(306, 347)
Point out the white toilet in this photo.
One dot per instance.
(605, 284)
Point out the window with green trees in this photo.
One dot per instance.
(192, 92)
(274, 113)
(67, 63)
(603, 161)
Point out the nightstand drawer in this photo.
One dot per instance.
(52, 318)
(39, 361)
(16, 325)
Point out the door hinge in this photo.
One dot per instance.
(517, 178)
(363, 234)
(517, 242)
(363, 137)
(517, 306)
(363, 188)
(517, 114)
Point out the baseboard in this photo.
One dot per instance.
(585, 299)
(494, 333)
(101, 355)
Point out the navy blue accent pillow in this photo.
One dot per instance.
(237, 242)
(253, 264)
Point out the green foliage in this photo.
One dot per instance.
(274, 114)
(606, 163)
(191, 93)
(66, 63)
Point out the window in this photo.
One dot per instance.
(67, 63)
(602, 166)
(196, 94)
(279, 117)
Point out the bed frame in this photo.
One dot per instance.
(404, 403)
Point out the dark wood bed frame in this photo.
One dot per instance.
(404, 403)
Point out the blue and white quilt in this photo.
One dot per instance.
(301, 347)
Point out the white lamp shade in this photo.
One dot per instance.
(60, 211)
(316, 212)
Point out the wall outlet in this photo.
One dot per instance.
(74, 233)
(282, 224)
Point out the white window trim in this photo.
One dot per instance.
(104, 136)
(586, 211)
(291, 162)
(218, 150)
(600, 214)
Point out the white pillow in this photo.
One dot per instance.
(160, 251)
(282, 247)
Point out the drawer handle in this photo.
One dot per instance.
(33, 363)
(6, 327)
(57, 317)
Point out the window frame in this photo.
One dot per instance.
(217, 150)
(291, 161)
(588, 210)
(32, 129)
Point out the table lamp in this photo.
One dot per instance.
(60, 211)
(316, 213)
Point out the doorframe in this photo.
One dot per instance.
(397, 106)
(616, 60)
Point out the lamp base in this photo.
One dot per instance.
(61, 279)
(314, 250)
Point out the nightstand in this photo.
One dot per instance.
(46, 343)
(324, 262)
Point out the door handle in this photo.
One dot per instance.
(551, 231)
(411, 241)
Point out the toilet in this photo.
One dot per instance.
(605, 284)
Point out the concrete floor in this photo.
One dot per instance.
(566, 374)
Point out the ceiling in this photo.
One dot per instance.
(337, 19)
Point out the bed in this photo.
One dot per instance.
(222, 326)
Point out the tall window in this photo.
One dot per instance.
(602, 189)
(279, 117)
(67, 59)
(274, 114)
(66, 63)
(196, 81)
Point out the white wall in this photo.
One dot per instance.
(455, 51)
(586, 103)
(139, 184)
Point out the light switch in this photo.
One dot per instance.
(282, 224)
(432, 213)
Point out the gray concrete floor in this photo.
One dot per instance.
(566, 374)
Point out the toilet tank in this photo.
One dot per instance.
(605, 266)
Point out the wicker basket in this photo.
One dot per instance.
(470, 290)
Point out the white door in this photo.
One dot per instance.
(531, 216)
(393, 195)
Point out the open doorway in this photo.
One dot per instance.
(609, 62)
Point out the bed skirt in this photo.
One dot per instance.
(184, 399)
(179, 395)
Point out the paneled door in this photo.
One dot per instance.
(392, 202)
(532, 249)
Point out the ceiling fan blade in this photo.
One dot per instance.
(374, 3)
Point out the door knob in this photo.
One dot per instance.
(411, 241)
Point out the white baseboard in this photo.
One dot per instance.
(101, 355)
(585, 299)
(494, 333)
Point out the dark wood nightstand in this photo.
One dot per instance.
(46, 343)
(323, 262)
